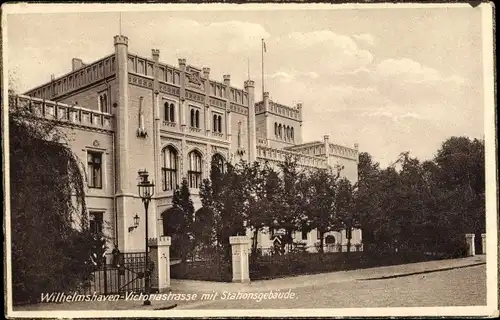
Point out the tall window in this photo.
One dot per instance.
(217, 123)
(276, 129)
(218, 162)
(94, 165)
(291, 134)
(103, 102)
(96, 222)
(194, 172)
(280, 131)
(169, 112)
(169, 168)
(195, 118)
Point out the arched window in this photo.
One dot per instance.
(197, 119)
(172, 112)
(195, 169)
(218, 162)
(276, 129)
(169, 168)
(287, 132)
(169, 112)
(192, 118)
(219, 124)
(279, 131)
(291, 132)
(215, 123)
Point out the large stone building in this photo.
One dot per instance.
(126, 113)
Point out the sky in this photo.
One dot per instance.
(391, 80)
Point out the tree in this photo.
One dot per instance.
(345, 208)
(182, 221)
(51, 240)
(290, 213)
(319, 202)
(264, 184)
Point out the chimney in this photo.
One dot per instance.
(227, 79)
(77, 63)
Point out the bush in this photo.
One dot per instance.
(269, 267)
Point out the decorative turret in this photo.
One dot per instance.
(227, 79)
(265, 100)
(155, 53)
(252, 150)
(182, 63)
(206, 73)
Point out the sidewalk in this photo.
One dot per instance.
(194, 286)
(316, 280)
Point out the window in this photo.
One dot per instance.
(169, 168)
(194, 172)
(195, 118)
(279, 131)
(276, 129)
(217, 123)
(291, 133)
(96, 222)
(103, 102)
(94, 164)
(169, 112)
(218, 162)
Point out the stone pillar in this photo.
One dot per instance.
(123, 192)
(159, 255)
(483, 242)
(469, 238)
(206, 88)
(182, 95)
(252, 140)
(327, 148)
(122, 114)
(240, 264)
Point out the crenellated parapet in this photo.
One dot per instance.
(279, 155)
(69, 115)
(77, 79)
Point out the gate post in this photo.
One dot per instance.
(239, 257)
(159, 255)
(483, 242)
(471, 248)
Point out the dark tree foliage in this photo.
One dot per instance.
(181, 220)
(51, 240)
(425, 206)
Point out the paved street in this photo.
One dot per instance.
(457, 287)
(461, 282)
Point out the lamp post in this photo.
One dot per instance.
(146, 191)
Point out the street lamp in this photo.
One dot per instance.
(146, 191)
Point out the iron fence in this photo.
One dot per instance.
(118, 274)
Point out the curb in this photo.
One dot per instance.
(422, 272)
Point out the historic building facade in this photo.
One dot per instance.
(125, 113)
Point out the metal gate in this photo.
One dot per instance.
(126, 274)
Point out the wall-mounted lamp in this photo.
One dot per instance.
(136, 223)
